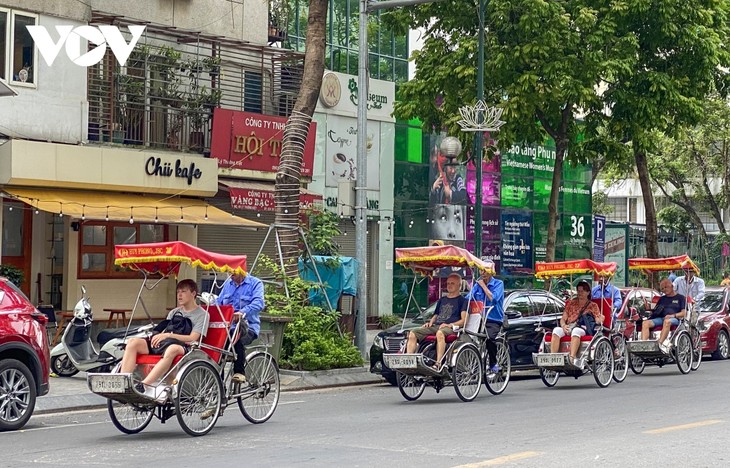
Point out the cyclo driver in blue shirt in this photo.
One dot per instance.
(246, 295)
(490, 291)
(605, 290)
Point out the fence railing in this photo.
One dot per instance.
(164, 95)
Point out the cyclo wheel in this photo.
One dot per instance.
(199, 393)
(683, 352)
(262, 375)
(696, 340)
(410, 387)
(467, 372)
(129, 418)
(497, 383)
(549, 377)
(636, 364)
(602, 365)
(621, 358)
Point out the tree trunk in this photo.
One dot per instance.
(652, 244)
(295, 135)
(552, 233)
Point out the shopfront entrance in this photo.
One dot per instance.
(17, 236)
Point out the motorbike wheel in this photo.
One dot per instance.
(62, 366)
(129, 418)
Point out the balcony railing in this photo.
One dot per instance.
(165, 94)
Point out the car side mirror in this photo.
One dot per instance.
(514, 315)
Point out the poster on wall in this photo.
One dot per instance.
(341, 151)
(448, 197)
(516, 243)
(616, 249)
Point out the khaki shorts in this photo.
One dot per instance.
(423, 332)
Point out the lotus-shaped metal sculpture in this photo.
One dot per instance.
(480, 118)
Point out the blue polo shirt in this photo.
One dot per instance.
(609, 292)
(496, 287)
(247, 297)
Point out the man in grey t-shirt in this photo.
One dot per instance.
(187, 291)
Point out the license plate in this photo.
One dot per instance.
(401, 362)
(108, 384)
(545, 360)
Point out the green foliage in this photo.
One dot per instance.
(600, 204)
(14, 274)
(675, 219)
(387, 321)
(323, 227)
(312, 340)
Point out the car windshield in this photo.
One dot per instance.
(712, 302)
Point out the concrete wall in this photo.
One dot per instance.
(55, 109)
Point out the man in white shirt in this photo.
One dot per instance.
(690, 285)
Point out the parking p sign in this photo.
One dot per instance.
(599, 237)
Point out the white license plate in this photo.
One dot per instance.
(108, 384)
(402, 362)
(550, 360)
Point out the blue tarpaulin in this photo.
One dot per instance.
(337, 281)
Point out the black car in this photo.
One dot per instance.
(525, 311)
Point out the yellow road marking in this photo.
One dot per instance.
(709, 422)
(501, 460)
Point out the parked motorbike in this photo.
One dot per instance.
(76, 350)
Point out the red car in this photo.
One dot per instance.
(714, 310)
(24, 356)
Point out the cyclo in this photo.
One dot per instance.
(604, 354)
(465, 358)
(686, 349)
(199, 386)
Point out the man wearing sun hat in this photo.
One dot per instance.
(490, 291)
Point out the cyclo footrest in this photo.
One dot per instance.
(644, 348)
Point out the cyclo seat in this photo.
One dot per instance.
(473, 324)
(219, 319)
(604, 305)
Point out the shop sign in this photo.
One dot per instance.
(263, 200)
(157, 167)
(375, 101)
(244, 140)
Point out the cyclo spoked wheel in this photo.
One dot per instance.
(602, 365)
(262, 377)
(696, 341)
(636, 364)
(411, 387)
(497, 383)
(467, 372)
(621, 358)
(198, 399)
(549, 377)
(683, 352)
(129, 418)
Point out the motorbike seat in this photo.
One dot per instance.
(115, 333)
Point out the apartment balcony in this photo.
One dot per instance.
(164, 96)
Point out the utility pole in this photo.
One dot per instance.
(361, 214)
(478, 140)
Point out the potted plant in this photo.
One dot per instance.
(165, 95)
(278, 19)
(201, 100)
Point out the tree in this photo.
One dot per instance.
(544, 61)
(679, 53)
(295, 135)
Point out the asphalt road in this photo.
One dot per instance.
(660, 418)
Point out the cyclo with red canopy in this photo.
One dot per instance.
(199, 386)
(465, 355)
(603, 354)
(686, 346)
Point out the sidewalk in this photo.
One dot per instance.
(72, 393)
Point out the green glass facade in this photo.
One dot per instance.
(388, 53)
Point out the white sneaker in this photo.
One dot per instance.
(667, 343)
(663, 348)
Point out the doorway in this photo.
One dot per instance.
(17, 236)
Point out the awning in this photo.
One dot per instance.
(123, 207)
(259, 196)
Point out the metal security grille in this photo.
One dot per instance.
(165, 94)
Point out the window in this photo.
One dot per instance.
(18, 56)
(545, 305)
(518, 307)
(620, 210)
(97, 241)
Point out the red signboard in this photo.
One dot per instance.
(263, 200)
(244, 140)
